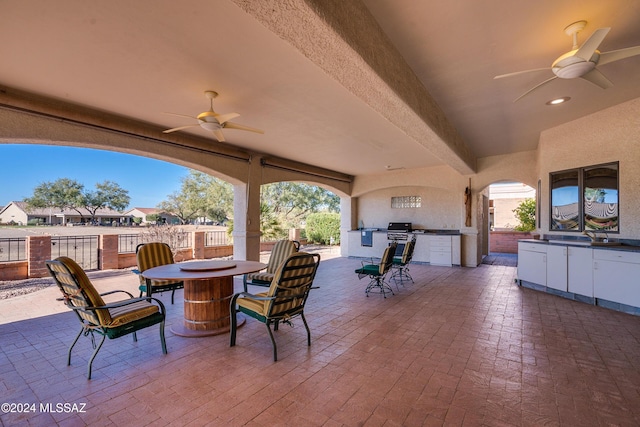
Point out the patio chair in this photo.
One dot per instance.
(377, 272)
(284, 300)
(400, 266)
(112, 320)
(280, 252)
(150, 255)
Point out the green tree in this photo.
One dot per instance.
(62, 194)
(153, 218)
(66, 193)
(291, 202)
(594, 194)
(526, 214)
(323, 227)
(181, 206)
(270, 225)
(200, 195)
(108, 194)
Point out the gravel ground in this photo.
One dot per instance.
(14, 288)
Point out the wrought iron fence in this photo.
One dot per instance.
(216, 238)
(127, 243)
(82, 249)
(184, 240)
(13, 249)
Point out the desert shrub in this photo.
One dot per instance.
(172, 235)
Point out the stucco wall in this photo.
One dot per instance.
(606, 136)
(440, 208)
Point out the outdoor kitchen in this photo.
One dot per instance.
(433, 246)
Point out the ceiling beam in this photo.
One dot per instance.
(344, 40)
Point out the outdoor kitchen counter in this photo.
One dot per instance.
(613, 246)
(436, 247)
(601, 273)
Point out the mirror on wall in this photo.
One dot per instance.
(601, 198)
(585, 199)
(565, 195)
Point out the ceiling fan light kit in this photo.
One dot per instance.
(212, 121)
(581, 62)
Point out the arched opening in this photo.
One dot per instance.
(512, 215)
(163, 178)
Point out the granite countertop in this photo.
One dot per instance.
(614, 246)
(431, 232)
(438, 232)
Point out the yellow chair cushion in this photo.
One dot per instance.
(256, 306)
(131, 312)
(262, 276)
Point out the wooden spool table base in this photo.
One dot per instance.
(208, 289)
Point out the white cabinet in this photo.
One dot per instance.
(421, 252)
(456, 250)
(557, 267)
(569, 269)
(580, 271)
(590, 274)
(440, 250)
(432, 248)
(615, 276)
(532, 260)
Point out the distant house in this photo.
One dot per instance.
(18, 213)
(143, 213)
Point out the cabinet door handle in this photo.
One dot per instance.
(544, 258)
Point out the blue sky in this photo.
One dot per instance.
(25, 166)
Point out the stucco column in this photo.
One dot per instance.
(246, 215)
(348, 221)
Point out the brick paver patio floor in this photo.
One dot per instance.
(461, 346)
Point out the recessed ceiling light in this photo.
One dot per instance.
(558, 100)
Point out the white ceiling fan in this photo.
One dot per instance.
(581, 61)
(212, 121)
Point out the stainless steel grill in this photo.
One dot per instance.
(398, 231)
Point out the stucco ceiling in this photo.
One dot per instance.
(356, 87)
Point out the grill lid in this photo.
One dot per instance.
(400, 226)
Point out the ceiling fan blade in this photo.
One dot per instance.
(218, 134)
(589, 47)
(520, 72)
(596, 77)
(229, 125)
(179, 128)
(534, 88)
(616, 55)
(223, 118)
(181, 115)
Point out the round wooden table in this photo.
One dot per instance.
(208, 288)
